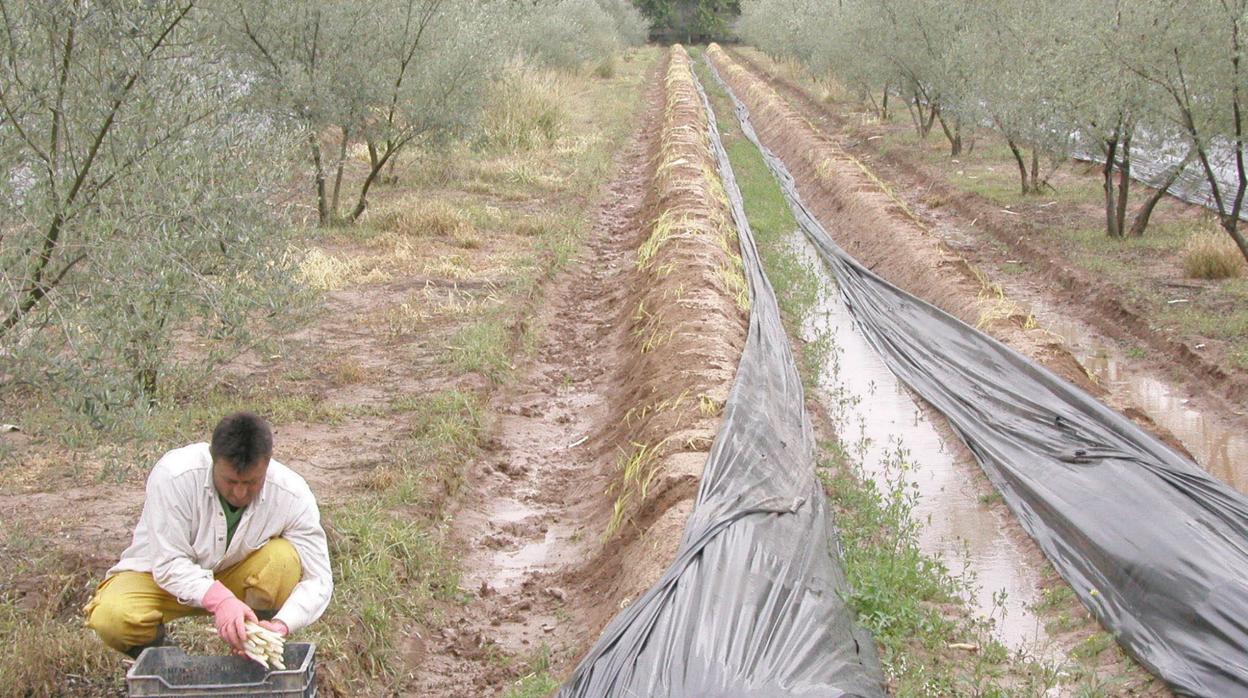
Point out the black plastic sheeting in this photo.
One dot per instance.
(1151, 543)
(753, 604)
(1154, 157)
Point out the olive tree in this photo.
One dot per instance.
(133, 198)
(838, 39)
(1008, 81)
(1114, 112)
(1193, 53)
(875, 47)
(568, 34)
(387, 74)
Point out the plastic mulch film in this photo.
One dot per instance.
(1150, 542)
(1153, 159)
(753, 604)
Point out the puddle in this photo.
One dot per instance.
(1217, 448)
(880, 423)
(522, 548)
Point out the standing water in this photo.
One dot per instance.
(1219, 449)
(882, 426)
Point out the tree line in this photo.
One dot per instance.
(149, 150)
(1051, 78)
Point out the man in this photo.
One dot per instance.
(225, 530)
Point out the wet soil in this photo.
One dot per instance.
(887, 236)
(891, 434)
(1180, 382)
(631, 353)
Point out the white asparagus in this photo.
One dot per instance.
(265, 646)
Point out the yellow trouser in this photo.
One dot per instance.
(129, 607)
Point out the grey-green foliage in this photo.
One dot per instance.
(569, 34)
(631, 25)
(1191, 56)
(875, 47)
(1042, 72)
(134, 201)
(386, 74)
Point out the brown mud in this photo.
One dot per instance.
(596, 456)
(346, 395)
(883, 233)
(1184, 384)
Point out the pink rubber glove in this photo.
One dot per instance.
(276, 626)
(229, 614)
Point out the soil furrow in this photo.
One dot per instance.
(596, 452)
(868, 221)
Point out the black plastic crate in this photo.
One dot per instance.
(168, 671)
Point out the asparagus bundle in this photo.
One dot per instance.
(265, 646)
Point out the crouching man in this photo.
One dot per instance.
(225, 530)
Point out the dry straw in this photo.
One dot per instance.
(1211, 254)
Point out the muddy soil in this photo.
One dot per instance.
(1183, 383)
(885, 235)
(559, 531)
(351, 386)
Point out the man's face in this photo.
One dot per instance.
(239, 488)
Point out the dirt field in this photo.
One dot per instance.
(508, 389)
(1047, 250)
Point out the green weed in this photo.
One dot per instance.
(537, 682)
(638, 466)
(482, 347)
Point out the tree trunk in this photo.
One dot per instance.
(869, 96)
(379, 160)
(1022, 165)
(922, 122)
(1113, 227)
(1231, 225)
(884, 103)
(322, 202)
(391, 178)
(954, 135)
(1035, 170)
(1145, 211)
(1124, 182)
(342, 159)
(932, 112)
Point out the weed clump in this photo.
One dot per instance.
(325, 272)
(606, 68)
(1211, 254)
(526, 110)
(425, 218)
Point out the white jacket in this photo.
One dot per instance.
(180, 537)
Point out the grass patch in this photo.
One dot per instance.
(537, 682)
(325, 272)
(527, 109)
(422, 217)
(1239, 357)
(387, 570)
(1212, 254)
(638, 467)
(50, 657)
(482, 347)
(1229, 324)
(1092, 646)
(906, 598)
(990, 498)
(47, 651)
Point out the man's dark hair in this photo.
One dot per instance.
(241, 439)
